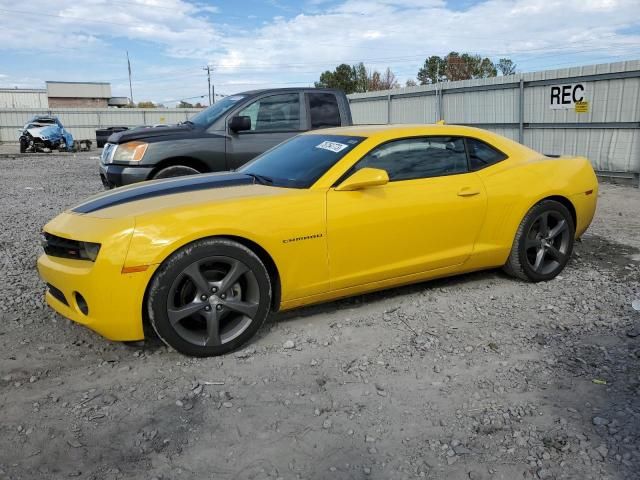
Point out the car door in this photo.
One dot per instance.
(274, 118)
(427, 217)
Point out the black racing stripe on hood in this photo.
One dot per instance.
(166, 187)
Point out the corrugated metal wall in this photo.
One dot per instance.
(608, 134)
(82, 123)
(23, 98)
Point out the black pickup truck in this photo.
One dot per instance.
(222, 137)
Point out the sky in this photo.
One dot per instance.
(252, 44)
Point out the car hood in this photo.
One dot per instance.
(159, 195)
(47, 132)
(152, 133)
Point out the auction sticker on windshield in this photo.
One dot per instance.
(334, 147)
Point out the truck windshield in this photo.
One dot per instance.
(209, 115)
(300, 161)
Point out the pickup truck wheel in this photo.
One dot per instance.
(175, 171)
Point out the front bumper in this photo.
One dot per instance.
(118, 175)
(113, 300)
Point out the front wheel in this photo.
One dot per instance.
(543, 243)
(209, 297)
(175, 171)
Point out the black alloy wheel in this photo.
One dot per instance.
(543, 243)
(209, 298)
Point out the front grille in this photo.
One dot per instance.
(56, 246)
(57, 294)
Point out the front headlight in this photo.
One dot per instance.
(65, 248)
(130, 152)
(90, 250)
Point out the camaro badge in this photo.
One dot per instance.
(297, 239)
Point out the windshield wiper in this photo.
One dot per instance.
(261, 179)
(187, 122)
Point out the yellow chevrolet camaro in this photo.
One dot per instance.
(327, 214)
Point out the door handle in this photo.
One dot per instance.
(468, 192)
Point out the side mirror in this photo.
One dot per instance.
(240, 123)
(364, 178)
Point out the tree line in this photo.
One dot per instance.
(149, 104)
(452, 67)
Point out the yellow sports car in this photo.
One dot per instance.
(327, 214)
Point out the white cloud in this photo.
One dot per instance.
(392, 31)
(42, 25)
(289, 49)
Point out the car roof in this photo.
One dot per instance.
(288, 89)
(399, 129)
(384, 133)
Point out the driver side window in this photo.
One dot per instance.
(414, 158)
(274, 113)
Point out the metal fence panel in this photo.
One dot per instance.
(82, 122)
(9, 98)
(414, 110)
(370, 112)
(491, 106)
(519, 107)
(616, 150)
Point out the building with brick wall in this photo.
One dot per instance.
(62, 95)
(78, 94)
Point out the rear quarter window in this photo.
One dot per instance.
(482, 155)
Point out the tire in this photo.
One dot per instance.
(543, 243)
(209, 298)
(175, 171)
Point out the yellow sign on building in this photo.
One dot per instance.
(582, 107)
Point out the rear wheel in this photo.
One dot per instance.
(209, 297)
(543, 243)
(175, 171)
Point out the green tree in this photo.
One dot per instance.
(481, 67)
(432, 71)
(343, 78)
(506, 66)
(455, 66)
(410, 83)
(357, 79)
(361, 76)
(146, 104)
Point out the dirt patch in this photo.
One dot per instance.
(478, 376)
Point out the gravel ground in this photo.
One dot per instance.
(474, 377)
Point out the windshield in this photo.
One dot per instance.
(300, 161)
(207, 116)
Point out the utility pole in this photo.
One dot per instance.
(208, 69)
(130, 88)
